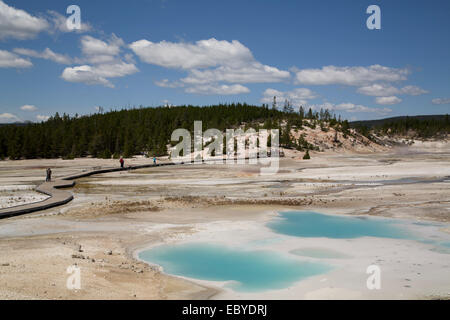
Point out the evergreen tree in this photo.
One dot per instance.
(301, 112)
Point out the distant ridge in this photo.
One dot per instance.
(380, 122)
(16, 123)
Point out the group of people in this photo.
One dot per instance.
(122, 162)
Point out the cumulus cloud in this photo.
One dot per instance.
(115, 70)
(11, 60)
(351, 76)
(350, 107)
(47, 54)
(383, 90)
(388, 100)
(40, 117)
(438, 101)
(104, 60)
(98, 74)
(201, 54)
(99, 51)
(378, 90)
(298, 96)
(85, 74)
(28, 107)
(8, 118)
(209, 64)
(204, 88)
(254, 72)
(18, 24)
(413, 90)
(221, 89)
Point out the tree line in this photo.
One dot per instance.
(415, 126)
(129, 132)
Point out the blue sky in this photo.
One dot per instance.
(318, 54)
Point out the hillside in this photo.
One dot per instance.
(328, 138)
(147, 131)
(429, 126)
(380, 122)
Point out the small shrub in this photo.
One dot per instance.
(306, 156)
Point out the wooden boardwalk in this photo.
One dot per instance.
(59, 197)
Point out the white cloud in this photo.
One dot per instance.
(100, 51)
(201, 54)
(85, 74)
(11, 60)
(42, 118)
(115, 70)
(47, 54)
(106, 62)
(298, 96)
(28, 107)
(254, 72)
(441, 101)
(166, 83)
(378, 90)
(383, 90)
(209, 64)
(59, 22)
(8, 118)
(218, 89)
(350, 107)
(352, 76)
(413, 90)
(18, 24)
(204, 88)
(388, 100)
(98, 74)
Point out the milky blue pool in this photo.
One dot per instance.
(249, 270)
(259, 270)
(314, 225)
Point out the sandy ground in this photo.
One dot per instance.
(116, 215)
(19, 194)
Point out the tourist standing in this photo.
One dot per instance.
(121, 162)
(49, 175)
